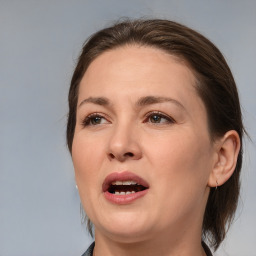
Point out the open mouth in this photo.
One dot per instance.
(124, 183)
(125, 187)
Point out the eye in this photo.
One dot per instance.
(93, 120)
(158, 118)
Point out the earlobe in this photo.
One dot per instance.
(227, 150)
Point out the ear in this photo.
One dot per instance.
(227, 149)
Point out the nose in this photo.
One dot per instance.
(124, 144)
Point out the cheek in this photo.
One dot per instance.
(86, 155)
(182, 163)
(180, 178)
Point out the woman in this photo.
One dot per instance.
(155, 133)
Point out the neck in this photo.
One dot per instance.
(165, 245)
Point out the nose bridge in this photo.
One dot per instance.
(123, 142)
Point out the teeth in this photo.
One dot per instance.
(124, 193)
(127, 182)
(117, 183)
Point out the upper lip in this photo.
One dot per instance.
(123, 176)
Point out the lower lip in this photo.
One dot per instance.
(124, 199)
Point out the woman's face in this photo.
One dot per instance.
(141, 150)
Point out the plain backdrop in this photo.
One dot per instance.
(39, 45)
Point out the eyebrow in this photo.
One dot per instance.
(148, 100)
(144, 101)
(95, 100)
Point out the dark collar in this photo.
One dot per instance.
(89, 251)
(206, 249)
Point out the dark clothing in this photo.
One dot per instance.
(89, 251)
(206, 249)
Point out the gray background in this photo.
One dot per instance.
(39, 44)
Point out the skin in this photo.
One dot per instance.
(174, 154)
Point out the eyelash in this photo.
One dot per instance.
(88, 120)
(169, 120)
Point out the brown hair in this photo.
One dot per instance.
(215, 85)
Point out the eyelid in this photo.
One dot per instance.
(169, 118)
(87, 118)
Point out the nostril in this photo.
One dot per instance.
(111, 156)
(129, 154)
(124, 156)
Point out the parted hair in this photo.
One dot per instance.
(214, 84)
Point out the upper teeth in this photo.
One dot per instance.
(127, 182)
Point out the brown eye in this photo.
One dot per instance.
(93, 120)
(159, 118)
(155, 119)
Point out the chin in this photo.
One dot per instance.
(125, 228)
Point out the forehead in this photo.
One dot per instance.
(138, 70)
(132, 64)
